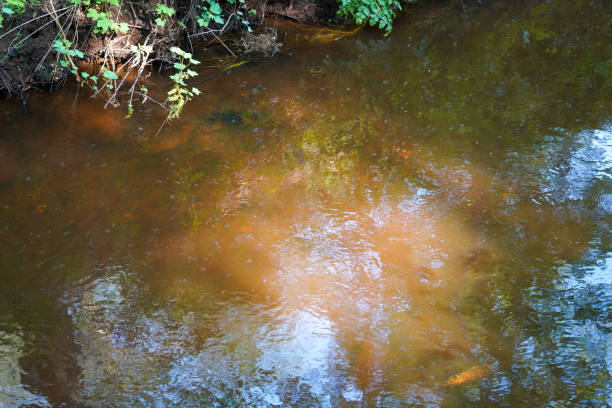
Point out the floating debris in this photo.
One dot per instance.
(264, 44)
(471, 374)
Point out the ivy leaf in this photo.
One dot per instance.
(113, 2)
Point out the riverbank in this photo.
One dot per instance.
(110, 46)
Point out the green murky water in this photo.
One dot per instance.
(349, 225)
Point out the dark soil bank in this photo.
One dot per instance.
(28, 59)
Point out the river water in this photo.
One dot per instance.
(350, 224)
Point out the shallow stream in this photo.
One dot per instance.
(350, 224)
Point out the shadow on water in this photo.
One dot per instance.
(414, 220)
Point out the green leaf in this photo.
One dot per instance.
(59, 46)
(105, 24)
(160, 21)
(113, 2)
(17, 6)
(76, 53)
(108, 74)
(123, 28)
(203, 21)
(177, 51)
(215, 8)
(162, 9)
(93, 13)
(84, 74)
(7, 10)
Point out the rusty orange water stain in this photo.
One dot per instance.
(406, 153)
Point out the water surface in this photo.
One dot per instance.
(347, 225)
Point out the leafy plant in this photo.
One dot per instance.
(242, 12)
(104, 22)
(101, 15)
(62, 47)
(210, 10)
(379, 13)
(9, 7)
(93, 80)
(180, 93)
(163, 13)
